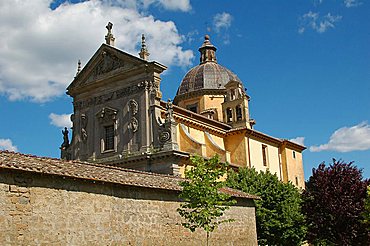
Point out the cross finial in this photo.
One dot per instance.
(109, 27)
(109, 39)
(144, 54)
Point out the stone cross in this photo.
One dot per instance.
(109, 27)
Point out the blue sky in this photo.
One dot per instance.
(305, 63)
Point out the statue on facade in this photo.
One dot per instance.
(65, 153)
(169, 111)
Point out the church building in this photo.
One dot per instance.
(119, 118)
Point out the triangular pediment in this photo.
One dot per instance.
(107, 61)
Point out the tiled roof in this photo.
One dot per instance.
(96, 172)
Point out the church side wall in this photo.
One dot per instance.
(294, 167)
(272, 155)
(50, 210)
(236, 145)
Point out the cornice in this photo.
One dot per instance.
(197, 93)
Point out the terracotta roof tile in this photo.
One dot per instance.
(96, 172)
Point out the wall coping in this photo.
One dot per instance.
(97, 172)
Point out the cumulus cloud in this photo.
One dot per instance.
(318, 23)
(298, 140)
(222, 21)
(347, 139)
(352, 3)
(183, 5)
(175, 5)
(60, 120)
(6, 144)
(39, 49)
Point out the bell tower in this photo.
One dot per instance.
(235, 106)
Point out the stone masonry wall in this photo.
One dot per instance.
(41, 209)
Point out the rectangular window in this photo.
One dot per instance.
(109, 138)
(293, 154)
(192, 108)
(264, 154)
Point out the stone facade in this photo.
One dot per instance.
(51, 202)
(120, 119)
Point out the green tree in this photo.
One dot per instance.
(203, 203)
(278, 213)
(334, 204)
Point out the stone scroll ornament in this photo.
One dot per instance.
(164, 136)
(164, 131)
(83, 127)
(134, 124)
(133, 109)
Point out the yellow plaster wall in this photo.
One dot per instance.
(218, 140)
(198, 100)
(185, 144)
(214, 102)
(293, 167)
(237, 147)
(197, 134)
(211, 150)
(257, 158)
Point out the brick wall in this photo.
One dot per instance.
(40, 209)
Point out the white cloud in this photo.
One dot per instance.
(352, 3)
(298, 140)
(39, 49)
(317, 23)
(347, 139)
(222, 21)
(6, 144)
(60, 120)
(181, 5)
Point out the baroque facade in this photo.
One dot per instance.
(120, 120)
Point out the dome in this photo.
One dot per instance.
(208, 75)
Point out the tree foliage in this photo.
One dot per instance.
(334, 204)
(366, 213)
(203, 203)
(278, 213)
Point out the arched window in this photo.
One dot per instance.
(229, 115)
(239, 115)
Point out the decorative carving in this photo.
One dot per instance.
(166, 129)
(83, 127)
(169, 111)
(109, 96)
(133, 106)
(107, 115)
(164, 136)
(109, 63)
(134, 124)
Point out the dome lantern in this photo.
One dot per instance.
(207, 51)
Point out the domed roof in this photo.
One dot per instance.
(208, 75)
